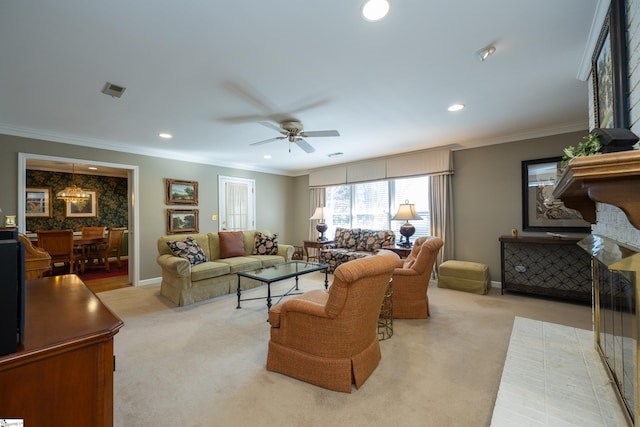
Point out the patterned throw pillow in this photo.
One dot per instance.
(188, 249)
(265, 244)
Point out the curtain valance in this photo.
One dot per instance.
(432, 162)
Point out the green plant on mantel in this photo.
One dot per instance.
(589, 146)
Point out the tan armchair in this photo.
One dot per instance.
(329, 338)
(37, 260)
(411, 279)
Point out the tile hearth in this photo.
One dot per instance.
(553, 376)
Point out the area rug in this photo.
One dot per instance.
(94, 273)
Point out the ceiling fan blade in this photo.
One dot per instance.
(274, 127)
(266, 141)
(305, 145)
(242, 119)
(315, 133)
(310, 105)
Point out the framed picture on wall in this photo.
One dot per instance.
(84, 208)
(37, 202)
(540, 210)
(609, 71)
(181, 192)
(182, 221)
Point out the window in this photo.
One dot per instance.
(372, 205)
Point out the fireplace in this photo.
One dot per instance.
(611, 182)
(615, 300)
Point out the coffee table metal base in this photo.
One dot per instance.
(276, 273)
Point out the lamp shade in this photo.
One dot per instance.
(406, 211)
(318, 214)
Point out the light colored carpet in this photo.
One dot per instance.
(204, 365)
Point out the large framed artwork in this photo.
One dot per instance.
(37, 202)
(540, 210)
(609, 71)
(83, 208)
(182, 221)
(181, 192)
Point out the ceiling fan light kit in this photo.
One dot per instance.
(293, 132)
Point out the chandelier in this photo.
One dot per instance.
(72, 193)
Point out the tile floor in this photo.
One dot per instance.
(553, 376)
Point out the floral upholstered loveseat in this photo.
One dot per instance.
(352, 243)
(197, 267)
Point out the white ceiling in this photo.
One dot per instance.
(208, 71)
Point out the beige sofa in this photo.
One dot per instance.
(184, 283)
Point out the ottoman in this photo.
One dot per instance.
(464, 276)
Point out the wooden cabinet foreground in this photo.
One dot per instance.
(63, 373)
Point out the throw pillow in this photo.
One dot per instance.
(188, 249)
(231, 244)
(265, 244)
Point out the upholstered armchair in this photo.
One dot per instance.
(329, 338)
(411, 279)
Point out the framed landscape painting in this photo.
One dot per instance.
(540, 210)
(181, 192)
(37, 202)
(182, 221)
(83, 208)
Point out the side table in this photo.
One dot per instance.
(385, 319)
(316, 245)
(402, 251)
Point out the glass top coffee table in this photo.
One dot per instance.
(279, 272)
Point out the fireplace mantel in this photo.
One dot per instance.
(612, 178)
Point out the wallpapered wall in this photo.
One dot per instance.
(111, 200)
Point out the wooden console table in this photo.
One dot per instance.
(545, 266)
(63, 373)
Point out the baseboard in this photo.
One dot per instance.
(147, 282)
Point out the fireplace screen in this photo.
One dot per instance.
(615, 298)
(616, 328)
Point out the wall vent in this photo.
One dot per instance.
(113, 90)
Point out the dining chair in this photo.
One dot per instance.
(93, 231)
(89, 250)
(112, 248)
(59, 245)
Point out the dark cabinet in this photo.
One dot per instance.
(548, 266)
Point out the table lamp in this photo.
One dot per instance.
(406, 211)
(321, 226)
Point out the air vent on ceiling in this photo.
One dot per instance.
(113, 90)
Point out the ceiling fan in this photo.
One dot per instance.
(294, 133)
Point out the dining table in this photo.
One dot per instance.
(85, 244)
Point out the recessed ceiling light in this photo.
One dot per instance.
(267, 156)
(93, 168)
(375, 10)
(456, 107)
(165, 135)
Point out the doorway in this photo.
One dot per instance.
(130, 171)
